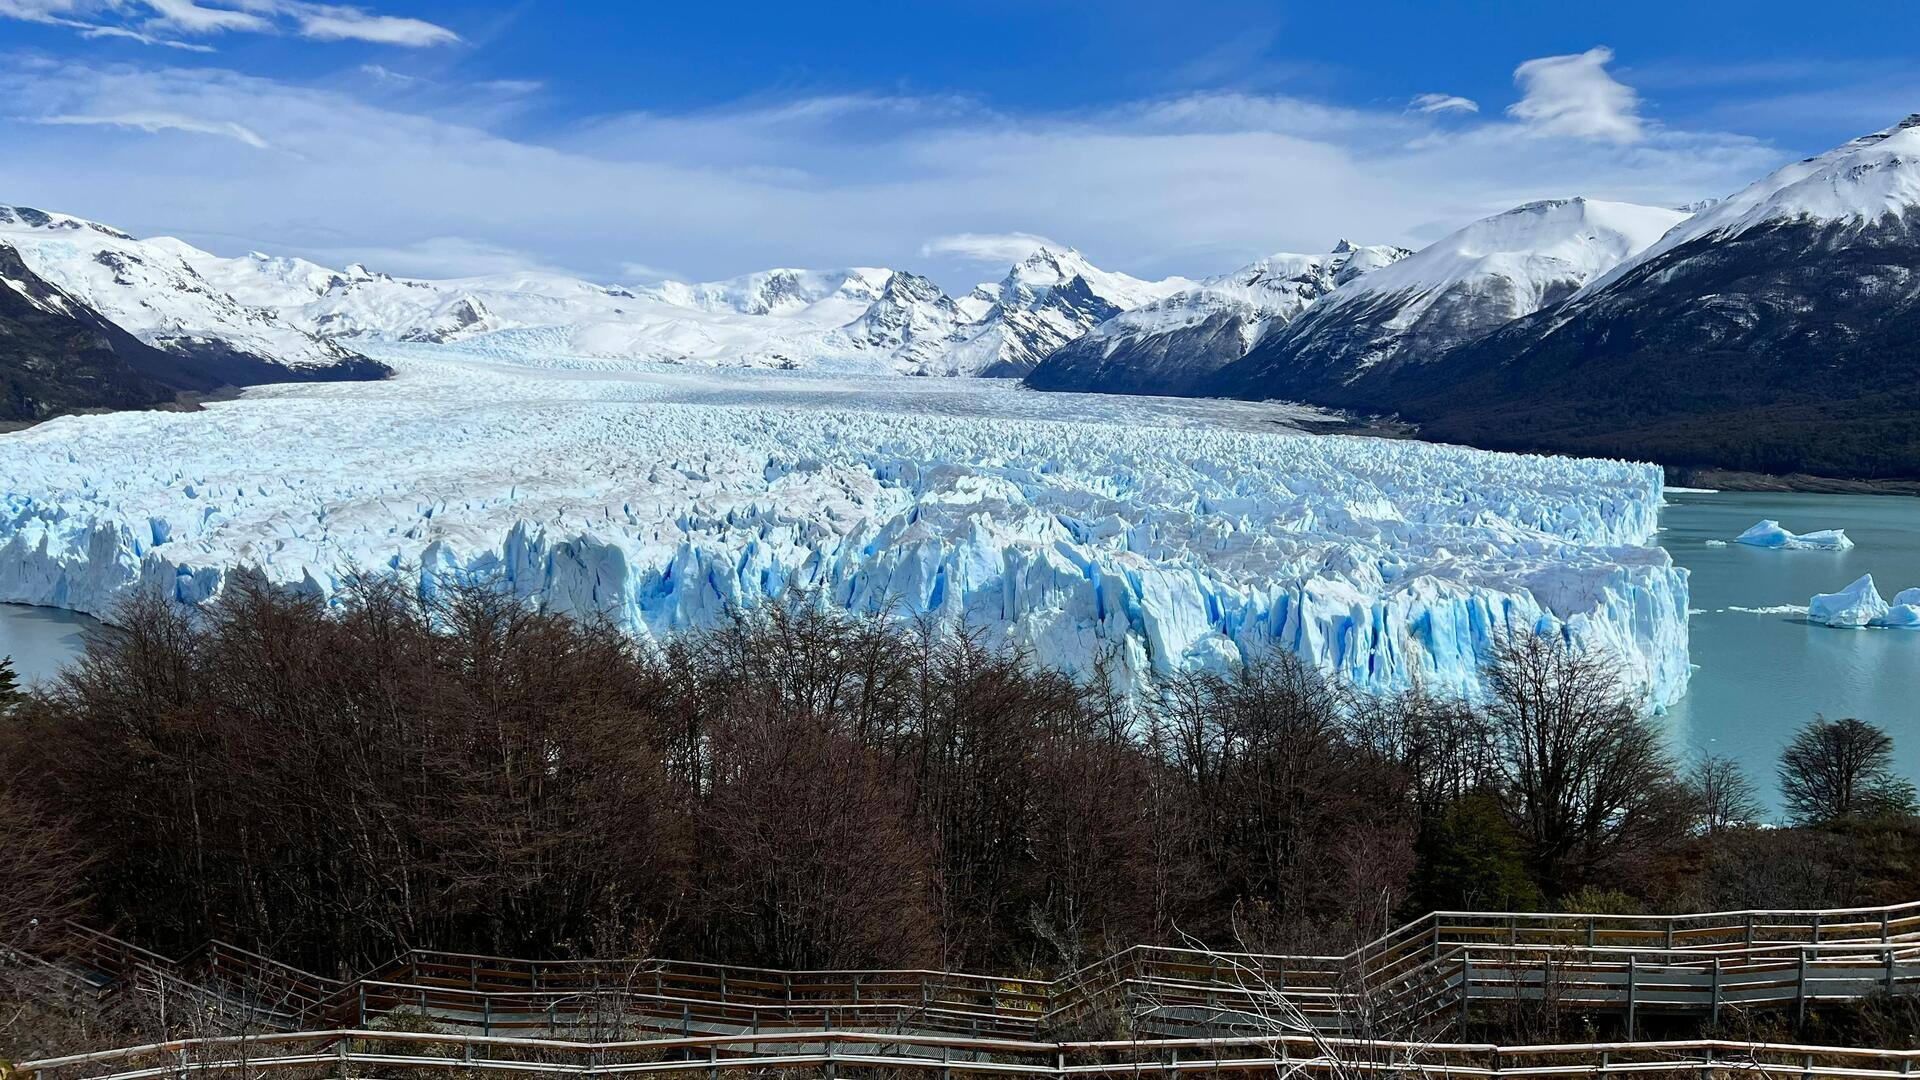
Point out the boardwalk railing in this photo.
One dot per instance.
(1422, 977)
(347, 1053)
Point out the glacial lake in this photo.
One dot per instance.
(39, 639)
(1757, 678)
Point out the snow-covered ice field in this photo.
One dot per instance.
(1180, 533)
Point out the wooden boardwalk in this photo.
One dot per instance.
(1422, 980)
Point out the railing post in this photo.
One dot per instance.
(1466, 987)
(830, 1061)
(1633, 969)
(1890, 976)
(340, 1051)
(1800, 995)
(363, 1005)
(1716, 992)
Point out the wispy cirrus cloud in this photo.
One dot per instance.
(1444, 103)
(155, 122)
(173, 22)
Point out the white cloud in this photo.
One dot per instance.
(1010, 247)
(382, 74)
(144, 20)
(1444, 103)
(87, 31)
(325, 22)
(1194, 185)
(439, 256)
(640, 272)
(156, 122)
(1574, 96)
(190, 18)
(65, 13)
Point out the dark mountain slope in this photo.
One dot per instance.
(58, 356)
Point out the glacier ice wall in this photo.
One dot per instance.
(1176, 544)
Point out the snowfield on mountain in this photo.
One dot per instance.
(1172, 345)
(149, 290)
(1175, 534)
(869, 319)
(1476, 280)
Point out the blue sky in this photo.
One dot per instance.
(624, 141)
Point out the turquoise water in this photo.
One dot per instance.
(1759, 677)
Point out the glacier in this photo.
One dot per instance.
(1769, 534)
(1171, 534)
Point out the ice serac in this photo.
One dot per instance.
(1770, 534)
(1170, 545)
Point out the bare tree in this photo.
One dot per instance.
(1585, 777)
(1841, 770)
(1352, 1029)
(1723, 796)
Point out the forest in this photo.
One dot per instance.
(332, 783)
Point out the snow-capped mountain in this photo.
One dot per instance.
(1171, 345)
(1051, 297)
(873, 318)
(58, 355)
(1774, 331)
(147, 289)
(1472, 282)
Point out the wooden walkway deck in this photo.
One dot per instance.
(1425, 977)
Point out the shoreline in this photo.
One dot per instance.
(1799, 483)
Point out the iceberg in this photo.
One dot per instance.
(1860, 605)
(1769, 534)
(1170, 535)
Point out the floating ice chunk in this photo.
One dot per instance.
(1904, 612)
(1769, 534)
(1859, 604)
